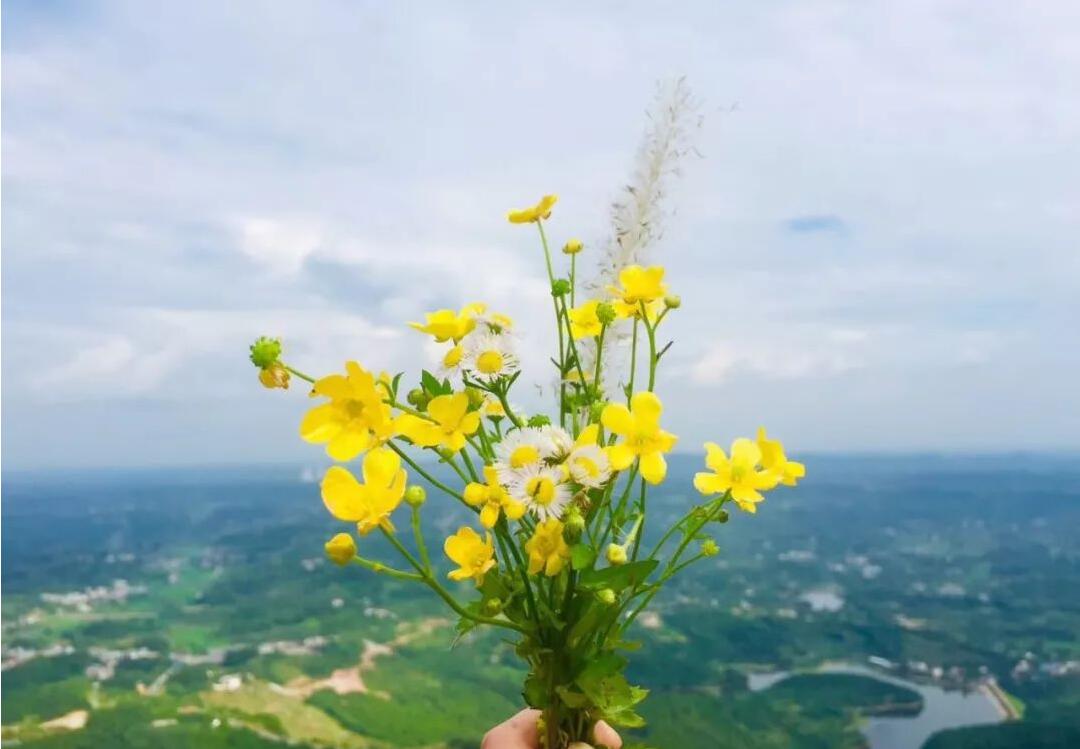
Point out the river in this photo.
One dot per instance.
(941, 709)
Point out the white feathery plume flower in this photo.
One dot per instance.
(542, 490)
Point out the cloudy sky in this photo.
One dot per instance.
(878, 249)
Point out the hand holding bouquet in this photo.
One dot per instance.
(555, 552)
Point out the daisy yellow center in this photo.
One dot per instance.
(541, 489)
(588, 466)
(490, 362)
(453, 357)
(523, 456)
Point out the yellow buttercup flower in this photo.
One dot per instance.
(473, 555)
(639, 426)
(775, 462)
(450, 422)
(740, 474)
(370, 504)
(447, 325)
(637, 285)
(493, 500)
(341, 548)
(356, 418)
(541, 210)
(583, 320)
(274, 376)
(547, 550)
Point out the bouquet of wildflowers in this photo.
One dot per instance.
(555, 551)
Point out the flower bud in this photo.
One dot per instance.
(605, 596)
(476, 397)
(265, 351)
(573, 247)
(709, 548)
(445, 453)
(274, 376)
(492, 606)
(539, 420)
(605, 313)
(722, 516)
(417, 398)
(616, 554)
(672, 301)
(561, 287)
(415, 495)
(573, 525)
(341, 549)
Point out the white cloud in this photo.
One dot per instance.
(326, 173)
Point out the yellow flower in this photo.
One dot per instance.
(541, 210)
(773, 460)
(583, 320)
(547, 549)
(356, 418)
(739, 474)
(274, 376)
(473, 556)
(341, 549)
(639, 426)
(639, 285)
(493, 408)
(450, 422)
(369, 504)
(493, 499)
(447, 325)
(573, 247)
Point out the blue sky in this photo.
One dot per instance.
(877, 250)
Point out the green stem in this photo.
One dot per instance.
(298, 373)
(445, 594)
(427, 476)
(650, 330)
(558, 325)
(418, 534)
(633, 363)
(382, 569)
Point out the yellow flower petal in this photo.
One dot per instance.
(343, 495)
(653, 467)
(616, 418)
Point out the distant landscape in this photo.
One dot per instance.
(891, 602)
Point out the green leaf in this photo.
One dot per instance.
(535, 693)
(433, 386)
(619, 577)
(395, 382)
(582, 556)
(571, 698)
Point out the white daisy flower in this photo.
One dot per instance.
(541, 489)
(519, 449)
(489, 357)
(557, 443)
(452, 361)
(589, 466)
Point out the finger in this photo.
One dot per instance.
(606, 735)
(517, 733)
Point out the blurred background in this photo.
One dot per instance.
(873, 230)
